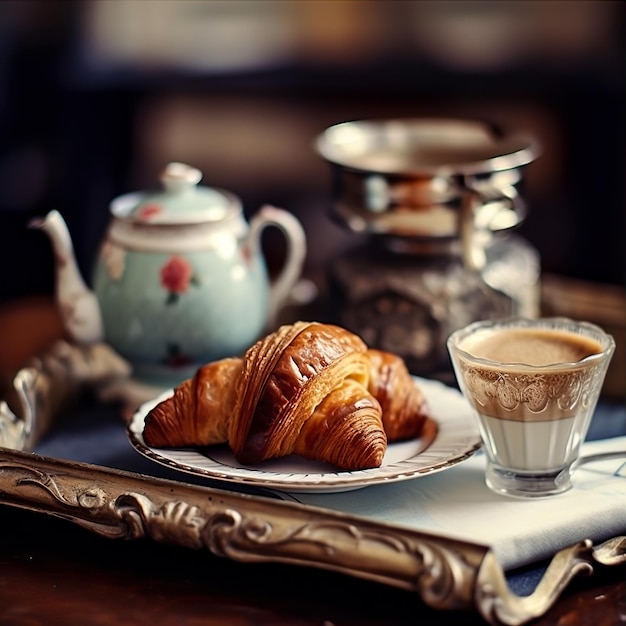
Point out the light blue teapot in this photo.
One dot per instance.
(180, 279)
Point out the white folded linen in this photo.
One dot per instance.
(457, 503)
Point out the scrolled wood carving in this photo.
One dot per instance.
(119, 504)
(170, 522)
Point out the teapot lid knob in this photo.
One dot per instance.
(177, 177)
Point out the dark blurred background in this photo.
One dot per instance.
(97, 96)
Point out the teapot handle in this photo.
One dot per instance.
(281, 285)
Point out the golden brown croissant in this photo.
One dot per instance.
(198, 411)
(310, 389)
(403, 405)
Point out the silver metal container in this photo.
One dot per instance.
(439, 201)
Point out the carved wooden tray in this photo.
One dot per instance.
(447, 574)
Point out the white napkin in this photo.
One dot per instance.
(457, 503)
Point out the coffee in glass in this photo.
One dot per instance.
(534, 385)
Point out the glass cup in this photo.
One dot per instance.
(534, 385)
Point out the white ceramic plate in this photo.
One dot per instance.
(449, 438)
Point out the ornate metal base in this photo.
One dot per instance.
(409, 304)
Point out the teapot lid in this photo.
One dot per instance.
(182, 201)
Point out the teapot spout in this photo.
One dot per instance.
(78, 305)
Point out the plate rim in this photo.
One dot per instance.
(329, 482)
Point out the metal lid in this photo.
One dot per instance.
(181, 201)
(424, 147)
(413, 177)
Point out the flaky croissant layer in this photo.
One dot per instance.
(310, 389)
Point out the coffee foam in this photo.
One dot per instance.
(536, 347)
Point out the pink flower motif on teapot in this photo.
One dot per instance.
(148, 211)
(114, 258)
(246, 254)
(176, 276)
(176, 357)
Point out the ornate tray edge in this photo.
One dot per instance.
(446, 573)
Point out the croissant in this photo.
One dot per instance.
(310, 389)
